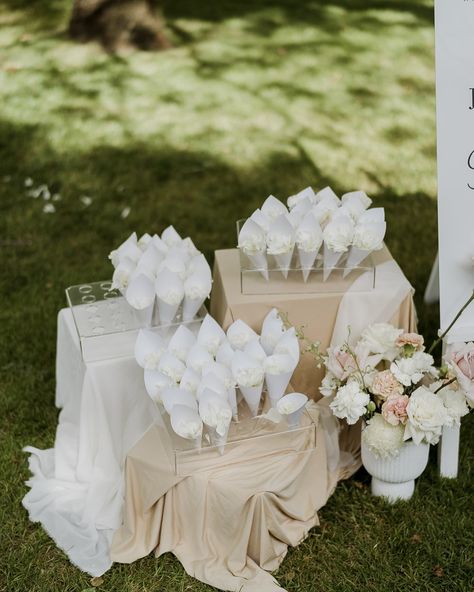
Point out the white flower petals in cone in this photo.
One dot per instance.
(140, 295)
(278, 371)
(149, 348)
(337, 236)
(248, 373)
(197, 358)
(155, 383)
(187, 423)
(169, 292)
(171, 366)
(281, 243)
(289, 344)
(173, 395)
(239, 334)
(272, 331)
(273, 208)
(181, 342)
(309, 238)
(292, 406)
(216, 414)
(170, 236)
(255, 350)
(197, 288)
(368, 237)
(210, 335)
(252, 243)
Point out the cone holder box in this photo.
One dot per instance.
(266, 438)
(340, 280)
(100, 312)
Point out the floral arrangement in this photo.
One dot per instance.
(341, 226)
(390, 381)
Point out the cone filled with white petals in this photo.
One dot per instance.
(186, 422)
(278, 371)
(249, 374)
(281, 243)
(252, 243)
(291, 407)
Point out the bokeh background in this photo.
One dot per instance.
(254, 97)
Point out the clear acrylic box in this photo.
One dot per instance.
(100, 312)
(264, 436)
(339, 280)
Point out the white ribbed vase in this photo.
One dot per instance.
(394, 478)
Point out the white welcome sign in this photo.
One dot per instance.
(455, 130)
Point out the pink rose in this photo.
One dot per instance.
(385, 385)
(413, 339)
(394, 410)
(342, 364)
(462, 363)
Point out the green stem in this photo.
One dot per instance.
(440, 388)
(443, 335)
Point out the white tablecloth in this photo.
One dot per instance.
(77, 486)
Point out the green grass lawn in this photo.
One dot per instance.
(255, 98)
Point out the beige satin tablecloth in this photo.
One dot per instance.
(231, 524)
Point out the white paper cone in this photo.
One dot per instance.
(181, 418)
(172, 396)
(145, 316)
(307, 259)
(166, 311)
(252, 396)
(277, 385)
(260, 262)
(356, 256)
(298, 402)
(283, 262)
(191, 307)
(330, 261)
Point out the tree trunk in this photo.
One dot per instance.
(118, 24)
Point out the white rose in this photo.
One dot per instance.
(383, 439)
(454, 402)
(410, 371)
(380, 338)
(426, 417)
(350, 403)
(338, 234)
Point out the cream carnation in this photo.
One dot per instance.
(410, 371)
(368, 237)
(279, 364)
(454, 402)
(350, 403)
(252, 243)
(383, 440)
(426, 417)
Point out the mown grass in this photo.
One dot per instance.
(255, 98)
